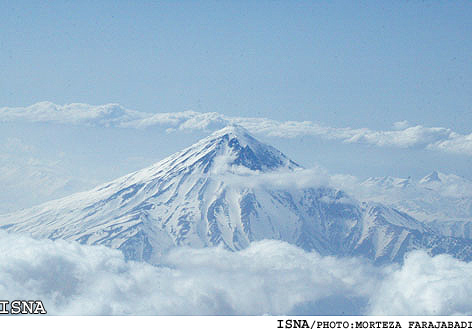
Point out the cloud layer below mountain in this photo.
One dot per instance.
(269, 277)
(402, 135)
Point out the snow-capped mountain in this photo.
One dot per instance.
(444, 201)
(431, 178)
(219, 192)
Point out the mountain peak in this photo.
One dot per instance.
(235, 132)
(225, 148)
(232, 129)
(244, 150)
(433, 177)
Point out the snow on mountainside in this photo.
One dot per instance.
(442, 200)
(219, 192)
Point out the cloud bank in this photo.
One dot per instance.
(402, 135)
(269, 277)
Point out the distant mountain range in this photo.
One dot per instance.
(444, 201)
(221, 192)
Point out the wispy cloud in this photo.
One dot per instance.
(108, 115)
(402, 134)
(269, 277)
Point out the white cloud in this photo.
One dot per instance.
(76, 113)
(269, 277)
(460, 144)
(293, 180)
(399, 125)
(236, 175)
(113, 115)
(426, 285)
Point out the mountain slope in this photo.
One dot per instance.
(219, 191)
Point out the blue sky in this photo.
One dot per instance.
(364, 64)
(339, 64)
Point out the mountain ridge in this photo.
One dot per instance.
(444, 201)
